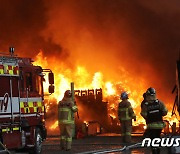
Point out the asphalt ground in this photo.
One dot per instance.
(96, 143)
(92, 144)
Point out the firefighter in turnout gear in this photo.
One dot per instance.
(126, 114)
(153, 110)
(66, 110)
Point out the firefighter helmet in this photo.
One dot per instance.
(144, 95)
(151, 91)
(124, 95)
(68, 93)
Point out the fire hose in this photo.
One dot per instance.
(124, 148)
(3, 149)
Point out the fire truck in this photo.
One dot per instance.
(22, 108)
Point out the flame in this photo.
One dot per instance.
(171, 119)
(113, 116)
(144, 127)
(47, 107)
(87, 124)
(112, 106)
(83, 79)
(97, 80)
(54, 126)
(109, 89)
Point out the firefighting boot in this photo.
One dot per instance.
(68, 144)
(127, 138)
(62, 144)
(123, 139)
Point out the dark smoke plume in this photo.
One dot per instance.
(21, 25)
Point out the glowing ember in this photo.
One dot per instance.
(87, 124)
(113, 116)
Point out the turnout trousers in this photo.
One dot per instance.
(153, 133)
(66, 136)
(126, 129)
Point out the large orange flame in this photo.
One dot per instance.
(84, 80)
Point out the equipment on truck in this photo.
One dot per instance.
(22, 109)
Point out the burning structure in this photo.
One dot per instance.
(91, 103)
(113, 45)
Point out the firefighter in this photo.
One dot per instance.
(126, 114)
(66, 110)
(153, 110)
(144, 99)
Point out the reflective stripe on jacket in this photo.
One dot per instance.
(144, 112)
(66, 110)
(156, 125)
(125, 111)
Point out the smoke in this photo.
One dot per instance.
(21, 25)
(139, 38)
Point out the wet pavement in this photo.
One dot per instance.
(94, 143)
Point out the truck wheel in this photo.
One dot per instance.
(38, 142)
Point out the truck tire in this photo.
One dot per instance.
(38, 142)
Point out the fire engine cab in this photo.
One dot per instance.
(22, 109)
